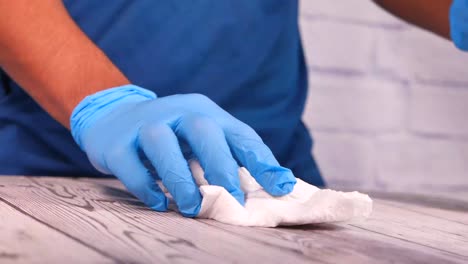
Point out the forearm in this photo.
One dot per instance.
(46, 53)
(432, 15)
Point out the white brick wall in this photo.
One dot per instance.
(409, 162)
(345, 159)
(418, 56)
(329, 44)
(388, 103)
(354, 104)
(440, 111)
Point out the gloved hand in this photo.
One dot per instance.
(459, 23)
(114, 125)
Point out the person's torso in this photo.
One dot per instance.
(245, 55)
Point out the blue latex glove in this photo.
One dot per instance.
(114, 125)
(459, 23)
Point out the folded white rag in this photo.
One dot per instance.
(306, 204)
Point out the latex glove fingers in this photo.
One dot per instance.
(250, 150)
(207, 141)
(161, 147)
(123, 161)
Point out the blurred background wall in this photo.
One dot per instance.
(387, 103)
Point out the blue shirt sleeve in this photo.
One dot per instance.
(459, 23)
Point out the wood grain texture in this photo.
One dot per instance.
(101, 216)
(24, 240)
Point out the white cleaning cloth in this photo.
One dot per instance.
(306, 204)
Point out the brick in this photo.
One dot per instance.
(348, 11)
(338, 46)
(345, 160)
(420, 56)
(415, 164)
(436, 110)
(386, 100)
(355, 104)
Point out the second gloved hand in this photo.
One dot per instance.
(114, 125)
(459, 23)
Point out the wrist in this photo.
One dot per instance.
(96, 105)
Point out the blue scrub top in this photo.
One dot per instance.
(245, 55)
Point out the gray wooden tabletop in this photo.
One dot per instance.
(57, 220)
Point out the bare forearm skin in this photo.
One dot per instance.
(48, 55)
(432, 15)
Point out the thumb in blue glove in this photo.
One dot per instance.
(114, 125)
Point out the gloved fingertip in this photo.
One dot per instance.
(192, 211)
(282, 189)
(287, 188)
(281, 182)
(160, 207)
(158, 202)
(189, 202)
(240, 196)
(186, 195)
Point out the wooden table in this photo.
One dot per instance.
(64, 220)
